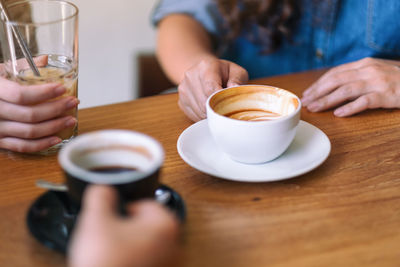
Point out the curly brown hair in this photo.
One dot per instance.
(265, 22)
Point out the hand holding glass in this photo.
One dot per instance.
(45, 105)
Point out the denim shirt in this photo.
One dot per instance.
(350, 30)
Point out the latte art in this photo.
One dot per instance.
(254, 103)
(253, 115)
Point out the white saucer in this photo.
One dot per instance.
(310, 148)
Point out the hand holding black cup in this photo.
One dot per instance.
(130, 161)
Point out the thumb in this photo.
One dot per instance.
(100, 201)
(153, 215)
(148, 210)
(237, 75)
(41, 61)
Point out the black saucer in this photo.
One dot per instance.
(51, 223)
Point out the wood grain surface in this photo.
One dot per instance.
(344, 213)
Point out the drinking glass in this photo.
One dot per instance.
(50, 32)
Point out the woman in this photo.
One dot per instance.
(206, 45)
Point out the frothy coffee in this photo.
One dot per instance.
(254, 103)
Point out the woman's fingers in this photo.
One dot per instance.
(100, 202)
(368, 83)
(30, 114)
(188, 111)
(208, 77)
(28, 146)
(340, 75)
(329, 83)
(37, 113)
(189, 100)
(203, 79)
(16, 93)
(364, 102)
(29, 94)
(35, 131)
(343, 94)
(199, 82)
(237, 75)
(40, 61)
(153, 215)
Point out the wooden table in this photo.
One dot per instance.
(344, 213)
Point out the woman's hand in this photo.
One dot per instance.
(185, 51)
(204, 78)
(29, 117)
(147, 237)
(354, 87)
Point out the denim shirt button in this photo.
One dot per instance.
(319, 54)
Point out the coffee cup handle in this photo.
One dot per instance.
(162, 196)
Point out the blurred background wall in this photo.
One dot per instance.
(111, 34)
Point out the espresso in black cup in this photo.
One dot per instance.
(130, 161)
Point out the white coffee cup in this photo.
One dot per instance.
(253, 123)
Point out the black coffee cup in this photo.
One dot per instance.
(128, 160)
